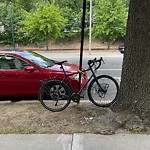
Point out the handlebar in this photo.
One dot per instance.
(91, 63)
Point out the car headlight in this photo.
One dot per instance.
(76, 77)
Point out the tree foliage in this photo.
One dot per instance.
(10, 15)
(110, 20)
(72, 10)
(45, 23)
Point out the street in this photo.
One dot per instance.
(113, 60)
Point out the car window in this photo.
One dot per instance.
(38, 59)
(10, 62)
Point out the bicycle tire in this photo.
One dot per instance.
(55, 95)
(100, 98)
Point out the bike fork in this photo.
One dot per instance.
(94, 76)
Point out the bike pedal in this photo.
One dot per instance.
(75, 101)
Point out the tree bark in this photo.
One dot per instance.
(108, 48)
(134, 91)
(46, 44)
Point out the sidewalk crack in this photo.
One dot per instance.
(72, 142)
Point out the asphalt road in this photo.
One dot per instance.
(112, 67)
(113, 60)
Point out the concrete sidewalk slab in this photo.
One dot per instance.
(111, 142)
(35, 142)
(74, 142)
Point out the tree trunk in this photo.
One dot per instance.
(46, 44)
(134, 91)
(108, 48)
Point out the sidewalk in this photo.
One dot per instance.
(74, 142)
(76, 54)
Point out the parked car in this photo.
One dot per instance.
(22, 71)
(121, 48)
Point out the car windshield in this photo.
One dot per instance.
(38, 59)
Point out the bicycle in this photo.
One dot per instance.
(55, 95)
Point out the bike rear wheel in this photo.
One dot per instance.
(105, 97)
(54, 95)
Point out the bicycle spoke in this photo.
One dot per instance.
(105, 94)
(55, 96)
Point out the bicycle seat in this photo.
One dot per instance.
(61, 62)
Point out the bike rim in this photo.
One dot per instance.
(100, 97)
(55, 98)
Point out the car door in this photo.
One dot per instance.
(17, 81)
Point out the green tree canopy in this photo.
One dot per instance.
(45, 23)
(72, 10)
(110, 20)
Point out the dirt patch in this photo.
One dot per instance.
(31, 117)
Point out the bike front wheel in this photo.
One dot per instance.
(103, 94)
(54, 95)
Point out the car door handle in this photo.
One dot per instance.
(3, 74)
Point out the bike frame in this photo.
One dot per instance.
(81, 89)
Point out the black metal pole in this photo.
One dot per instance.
(82, 41)
(12, 26)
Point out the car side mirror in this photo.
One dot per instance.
(29, 68)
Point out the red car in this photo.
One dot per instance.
(22, 71)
